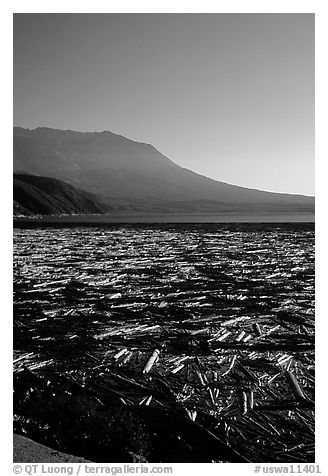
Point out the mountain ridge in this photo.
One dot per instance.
(47, 196)
(131, 175)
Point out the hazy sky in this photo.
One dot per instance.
(230, 96)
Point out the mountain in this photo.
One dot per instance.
(48, 196)
(133, 176)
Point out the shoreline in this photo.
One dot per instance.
(94, 220)
(26, 450)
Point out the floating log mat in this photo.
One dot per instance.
(188, 333)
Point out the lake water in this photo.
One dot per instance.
(213, 298)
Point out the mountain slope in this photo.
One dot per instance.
(135, 176)
(48, 196)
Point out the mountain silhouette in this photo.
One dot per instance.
(48, 196)
(133, 176)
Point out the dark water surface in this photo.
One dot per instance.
(230, 308)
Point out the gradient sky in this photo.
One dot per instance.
(230, 96)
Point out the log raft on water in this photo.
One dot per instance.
(216, 298)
